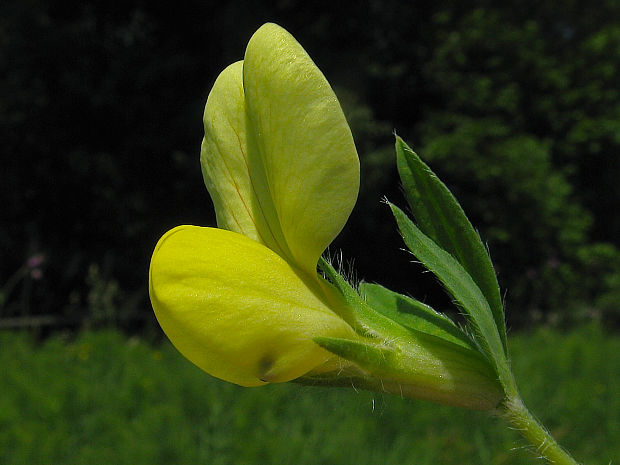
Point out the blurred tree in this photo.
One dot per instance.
(513, 101)
(515, 105)
(99, 139)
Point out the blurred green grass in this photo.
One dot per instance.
(104, 398)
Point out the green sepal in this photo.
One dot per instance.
(347, 291)
(424, 367)
(368, 356)
(414, 314)
(463, 289)
(366, 321)
(439, 215)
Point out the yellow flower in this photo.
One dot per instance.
(244, 302)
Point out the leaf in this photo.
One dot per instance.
(440, 217)
(413, 314)
(364, 319)
(367, 320)
(462, 287)
(373, 316)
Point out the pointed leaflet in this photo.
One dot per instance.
(439, 215)
(296, 125)
(384, 312)
(413, 314)
(364, 319)
(238, 310)
(462, 287)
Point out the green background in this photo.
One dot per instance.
(103, 398)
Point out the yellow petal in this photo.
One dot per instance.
(278, 157)
(226, 162)
(237, 309)
(299, 129)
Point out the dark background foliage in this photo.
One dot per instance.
(515, 104)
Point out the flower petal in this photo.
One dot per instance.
(278, 156)
(297, 126)
(237, 309)
(226, 163)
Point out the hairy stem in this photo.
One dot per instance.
(519, 416)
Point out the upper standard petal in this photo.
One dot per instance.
(297, 126)
(278, 155)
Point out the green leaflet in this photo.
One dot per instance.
(364, 317)
(381, 314)
(413, 314)
(464, 290)
(440, 217)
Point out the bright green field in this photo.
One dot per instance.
(106, 399)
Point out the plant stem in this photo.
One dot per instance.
(517, 413)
